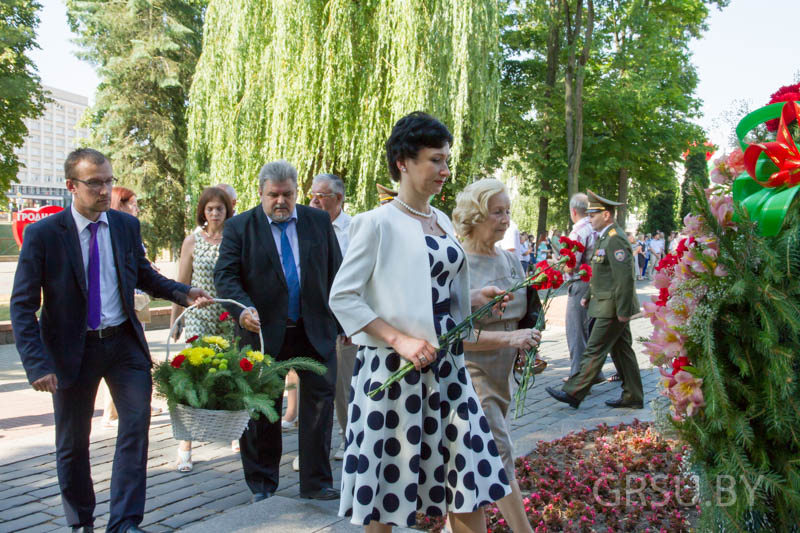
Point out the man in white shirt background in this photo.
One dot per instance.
(511, 240)
(327, 193)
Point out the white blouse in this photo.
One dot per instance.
(386, 274)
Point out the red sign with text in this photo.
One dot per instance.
(24, 217)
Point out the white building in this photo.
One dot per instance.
(50, 138)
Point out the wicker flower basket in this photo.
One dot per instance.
(207, 425)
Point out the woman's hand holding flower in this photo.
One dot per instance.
(419, 352)
(524, 339)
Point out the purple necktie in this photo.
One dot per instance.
(94, 278)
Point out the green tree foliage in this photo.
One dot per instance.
(637, 98)
(695, 175)
(145, 52)
(661, 213)
(21, 93)
(320, 84)
(531, 145)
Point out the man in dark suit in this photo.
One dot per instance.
(86, 261)
(280, 259)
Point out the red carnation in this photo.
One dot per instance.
(192, 339)
(571, 260)
(245, 364)
(787, 93)
(585, 272)
(678, 363)
(556, 279)
(542, 265)
(224, 316)
(178, 361)
(578, 246)
(564, 240)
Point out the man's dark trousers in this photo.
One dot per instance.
(126, 369)
(608, 335)
(261, 444)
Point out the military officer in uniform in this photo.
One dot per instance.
(612, 301)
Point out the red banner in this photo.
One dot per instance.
(24, 217)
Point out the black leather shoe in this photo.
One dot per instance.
(83, 529)
(258, 496)
(135, 529)
(625, 403)
(325, 493)
(562, 396)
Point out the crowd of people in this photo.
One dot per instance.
(346, 291)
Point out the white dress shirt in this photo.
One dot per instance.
(583, 233)
(111, 311)
(291, 231)
(511, 240)
(341, 227)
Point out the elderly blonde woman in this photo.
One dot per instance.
(481, 217)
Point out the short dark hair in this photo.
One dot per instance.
(78, 155)
(213, 193)
(410, 134)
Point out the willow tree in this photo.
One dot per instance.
(320, 83)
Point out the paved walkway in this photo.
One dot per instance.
(214, 497)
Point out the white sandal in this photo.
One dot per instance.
(184, 461)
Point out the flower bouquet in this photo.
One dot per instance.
(727, 331)
(550, 278)
(213, 386)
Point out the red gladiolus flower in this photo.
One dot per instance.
(224, 316)
(663, 296)
(571, 260)
(678, 363)
(192, 339)
(178, 361)
(585, 272)
(245, 364)
(682, 248)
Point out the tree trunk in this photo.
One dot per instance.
(551, 75)
(573, 87)
(622, 211)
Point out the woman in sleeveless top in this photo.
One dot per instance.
(196, 267)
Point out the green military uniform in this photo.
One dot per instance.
(612, 294)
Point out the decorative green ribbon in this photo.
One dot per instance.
(766, 205)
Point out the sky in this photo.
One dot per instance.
(750, 49)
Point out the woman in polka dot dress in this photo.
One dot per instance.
(424, 444)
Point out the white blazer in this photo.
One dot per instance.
(386, 274)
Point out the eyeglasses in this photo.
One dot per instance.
(97, 185)
(320, 195)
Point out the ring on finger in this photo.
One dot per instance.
(423, 359)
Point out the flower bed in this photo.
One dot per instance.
(621, 478)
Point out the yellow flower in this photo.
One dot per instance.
(219, 341)
(197, 355)
(255, 356)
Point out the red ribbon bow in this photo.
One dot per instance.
(782, 151)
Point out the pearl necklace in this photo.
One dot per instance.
(412, 210)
